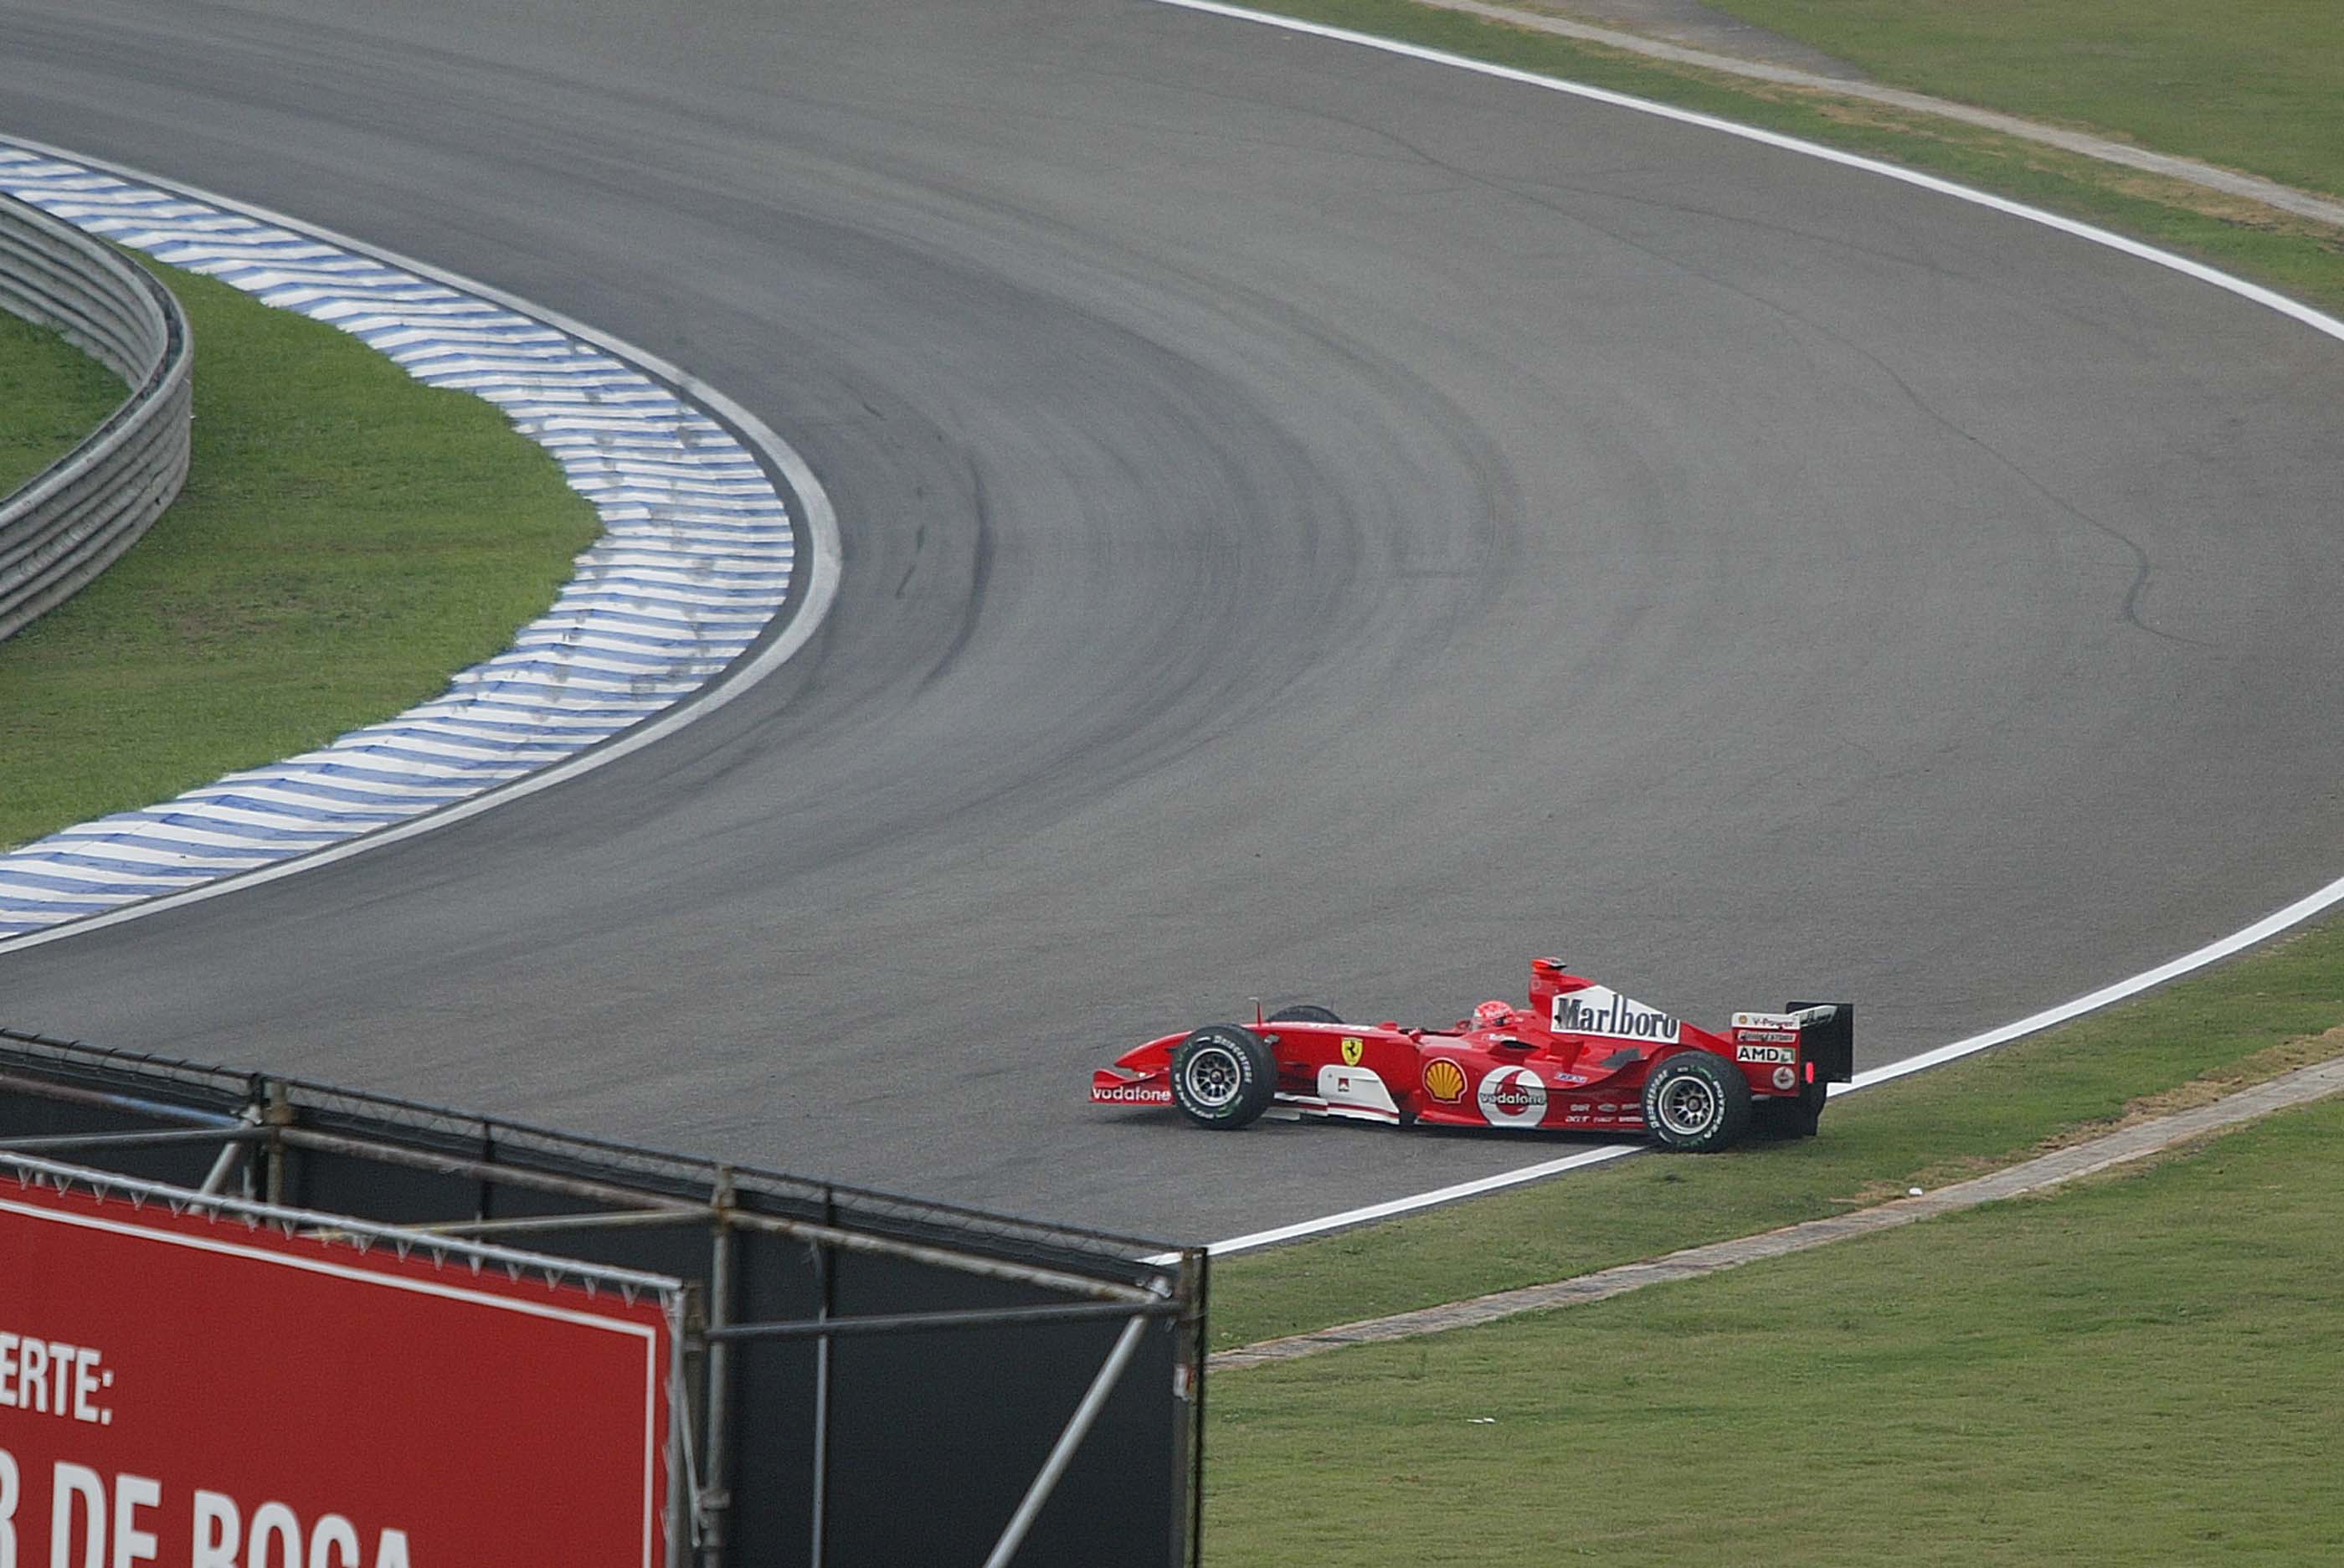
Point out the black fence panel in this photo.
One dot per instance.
(933, 1438)
(881, 1448)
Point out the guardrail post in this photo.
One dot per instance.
(683, 1465)
(279, 1115)
(715, 1499)
(826, 1307)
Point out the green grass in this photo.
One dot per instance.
(2237, 1024)
(2254, 86)
(2297, 257)
(52, 395)
(348, 540)
(2145, 1369)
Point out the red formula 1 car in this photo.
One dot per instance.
(1580, 1058)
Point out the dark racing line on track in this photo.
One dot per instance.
(1423, 520)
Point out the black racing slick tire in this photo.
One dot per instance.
(1697, 1103)
(1305, 1012)
(1223, 1077)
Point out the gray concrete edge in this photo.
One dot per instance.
(2139, 1141)
(2230, 182)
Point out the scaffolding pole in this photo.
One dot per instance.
(1078, 1426)
(715, 1497)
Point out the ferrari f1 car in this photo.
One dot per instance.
(1580, 1058)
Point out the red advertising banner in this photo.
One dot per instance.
(207, 1391)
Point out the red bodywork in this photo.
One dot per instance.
(1576, 1058)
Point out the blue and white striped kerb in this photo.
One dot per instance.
(695, 557)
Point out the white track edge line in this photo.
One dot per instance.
(2269, 298)
(2269, 925)
(2213, 952)
(823, 561)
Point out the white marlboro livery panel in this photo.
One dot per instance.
(1600, 1010)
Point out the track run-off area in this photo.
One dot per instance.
(1319, 525)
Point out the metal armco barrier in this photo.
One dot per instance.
(66, 526)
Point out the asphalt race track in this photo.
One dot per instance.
(1319, 526)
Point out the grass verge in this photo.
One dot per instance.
(347, 539)
(2237, 1025)
(52, 395)
(2141, 1369)
(2296, 255)
(2254, 87)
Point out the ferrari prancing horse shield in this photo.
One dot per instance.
(1352, 1048)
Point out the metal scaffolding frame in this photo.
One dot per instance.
(260, 1123)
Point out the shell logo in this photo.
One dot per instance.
(1444, 1080)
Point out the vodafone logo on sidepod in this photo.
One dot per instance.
(1512, 1096)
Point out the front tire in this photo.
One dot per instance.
(1697, 1103)
(1223, 1077)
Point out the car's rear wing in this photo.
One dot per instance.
(1827, 1037)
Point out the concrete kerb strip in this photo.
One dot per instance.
(286, 255)
(2270, 193)
(2299, 1087)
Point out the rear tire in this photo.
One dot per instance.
(1305, 1012)
(1223, 1077)
(1697, 1103)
